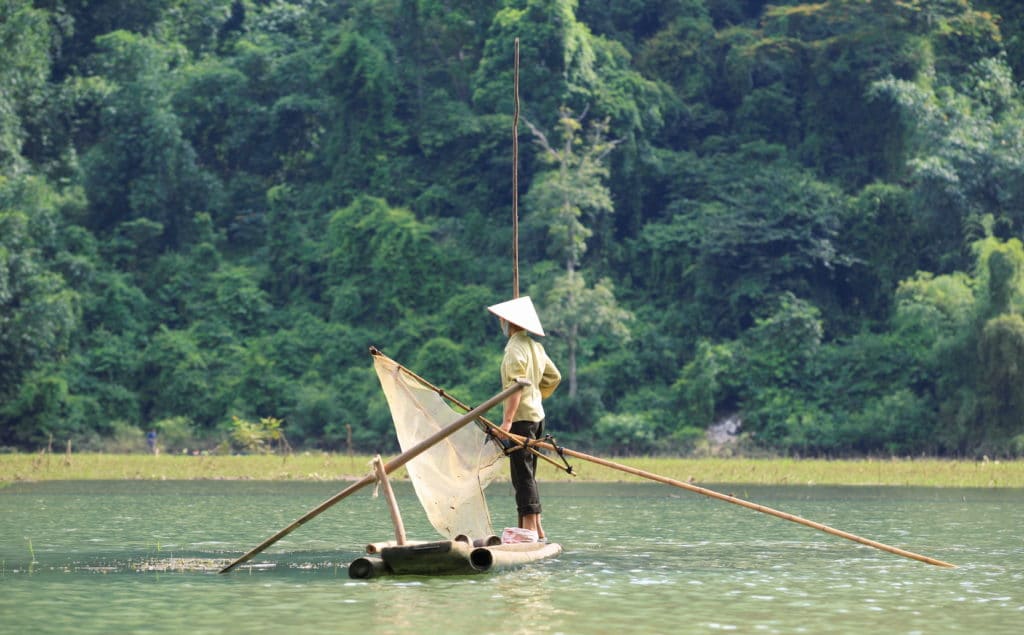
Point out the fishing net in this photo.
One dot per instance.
(450, 477)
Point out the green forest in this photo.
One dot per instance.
(803, 219)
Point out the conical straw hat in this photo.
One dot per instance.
(519, 312)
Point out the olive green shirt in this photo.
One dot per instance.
(525, 358)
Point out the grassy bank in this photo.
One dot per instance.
(340, 467)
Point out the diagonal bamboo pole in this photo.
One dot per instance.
(389, 467)
(742, 503)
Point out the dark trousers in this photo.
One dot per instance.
(523, 466)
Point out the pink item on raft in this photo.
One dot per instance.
(518, 534)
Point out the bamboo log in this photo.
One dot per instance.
(367, 567)
(512, 555)
(374, 548)
(389, 467)
(444, 557)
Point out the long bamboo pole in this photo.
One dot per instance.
(515, 172)
(742, 503)
(389, 467)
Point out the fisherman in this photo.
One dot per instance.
(523, 413)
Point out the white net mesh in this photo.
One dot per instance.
(450, 477)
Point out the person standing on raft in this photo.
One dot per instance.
(523, 412)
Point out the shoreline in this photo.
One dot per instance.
(922, 472)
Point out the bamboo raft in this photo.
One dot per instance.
(461, 556)
(448, 557)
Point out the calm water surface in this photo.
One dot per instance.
(135, 557)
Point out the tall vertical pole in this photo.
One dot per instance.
(515, 174)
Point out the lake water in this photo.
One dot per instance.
(136, 557)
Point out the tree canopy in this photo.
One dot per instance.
(802, 217)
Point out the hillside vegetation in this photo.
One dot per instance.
(803, 217)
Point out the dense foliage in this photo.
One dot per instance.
(804, 217)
